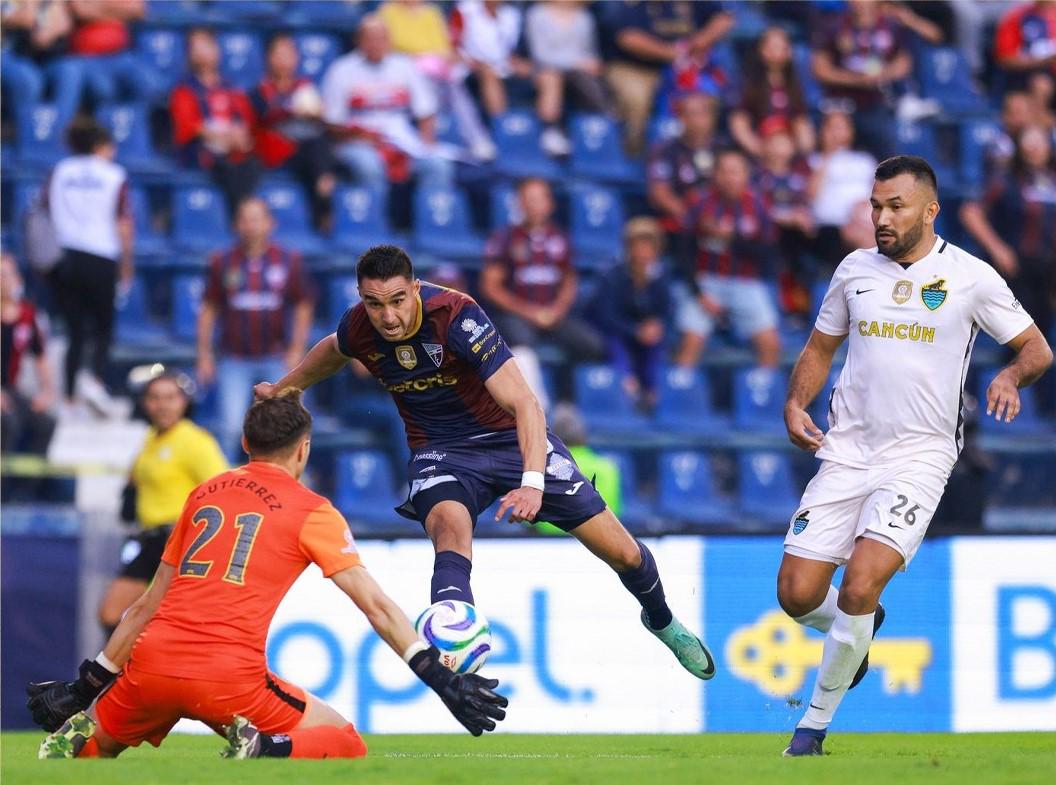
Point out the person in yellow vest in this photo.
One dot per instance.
(176, 457)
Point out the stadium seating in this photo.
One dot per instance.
(40, 143)
(342, 293)
(597, 151)
(685, 405)
(974, 136)
(133, 323)
(635, 511)
(516, 134)
(332, 15)
(241, 58)
(365, 487)
(688, 490)
(289, 208)
(360, 219)
(920, 139)
(505, 206)
(944, 75)
(165, 50)
(758, 400)
(596, 225)
(199, 219)
(767, 491)
(605, 405)
(148, 241)
(129, 125)
(187, 294)
(442, 224)
(1027, 422)
(317, 51)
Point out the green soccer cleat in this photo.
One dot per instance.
(243, 740)
(69, 740)
(688, 649)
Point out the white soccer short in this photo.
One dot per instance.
(891, 504)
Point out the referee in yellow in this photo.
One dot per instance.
(176, 457)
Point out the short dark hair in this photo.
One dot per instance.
(524, 182)
(908, 164)
(382, 262)
(200, 30)
(276, 37)
(84, 135)
(275, 424)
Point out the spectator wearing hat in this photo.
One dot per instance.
(630, 309)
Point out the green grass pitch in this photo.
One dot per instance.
(741, 759)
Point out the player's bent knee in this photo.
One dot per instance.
(797, 595)
(859, 595)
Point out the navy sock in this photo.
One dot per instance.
(451, 577)
(644, 583)
(277, 746)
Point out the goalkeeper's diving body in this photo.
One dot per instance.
(476, 433)
(193, 645)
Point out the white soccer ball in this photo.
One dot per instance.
(459, 631)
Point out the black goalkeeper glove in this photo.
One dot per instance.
(469, 697)
(53, 702)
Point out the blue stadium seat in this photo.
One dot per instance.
(317, 51)
(133, 323)
(820, 407)
(40, 141)
(767, 489)
(175, 12)
(246, 11)
(597, 151)
(944, 75)
(811, 89)
(165, 50)
(129, 125)
(919, 138)
(975, 137)
(758, 400)
(330, 14)
(187, 294)
(505, 206)
(597, 225)
(199, 219)
(447, 130)
(442, 224)
(662, 129)
(241, 58)
(289, 208)
(342, 293)
(364, 487)
(360, 219)
(516, 134)
(688, 491)
(635, 511)
(1028, 421)
(149, 242)
(604, 403)
(685, 403)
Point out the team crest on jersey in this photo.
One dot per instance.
(934, 294)
(800, 523)
(406, 357)
(435, 352)
(902, 292)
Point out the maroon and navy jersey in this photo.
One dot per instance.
(753, 233)
(787, 191)
(253, 298)
(862, 51)
(22, 335)
(436, 375)
(536, 261)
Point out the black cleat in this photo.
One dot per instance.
(878, 619)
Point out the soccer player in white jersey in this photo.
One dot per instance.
(910, 309)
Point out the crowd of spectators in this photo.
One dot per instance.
(758, 158)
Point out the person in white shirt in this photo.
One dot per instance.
(910, 309)
(375, 93)
(87, 197)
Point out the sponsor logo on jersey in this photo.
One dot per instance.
(898, 331)
(934, 294)
(482, 342)
(560, 467)
(801, 521)
(429, 456)
(423, 384)
(406, 357)
(475, 330)
(350, 545)
(435, 352)
(902, 292)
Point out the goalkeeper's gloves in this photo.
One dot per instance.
(53, 702)
(469, 697)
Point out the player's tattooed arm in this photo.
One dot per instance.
(323, 360)
(808, 377)
(1033, 358)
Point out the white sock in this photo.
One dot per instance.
(821, 617)
(846, 645)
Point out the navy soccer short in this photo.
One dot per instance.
(477, 471)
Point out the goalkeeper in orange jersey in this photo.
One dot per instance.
(193, 645)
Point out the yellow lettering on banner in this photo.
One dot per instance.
(888, 330)
(775, 654)
(900, 331)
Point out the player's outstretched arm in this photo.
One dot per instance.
(323, 360)
(510, 391)
(53, 702)
(470, 698)
(1033, 358)
(808, 377)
